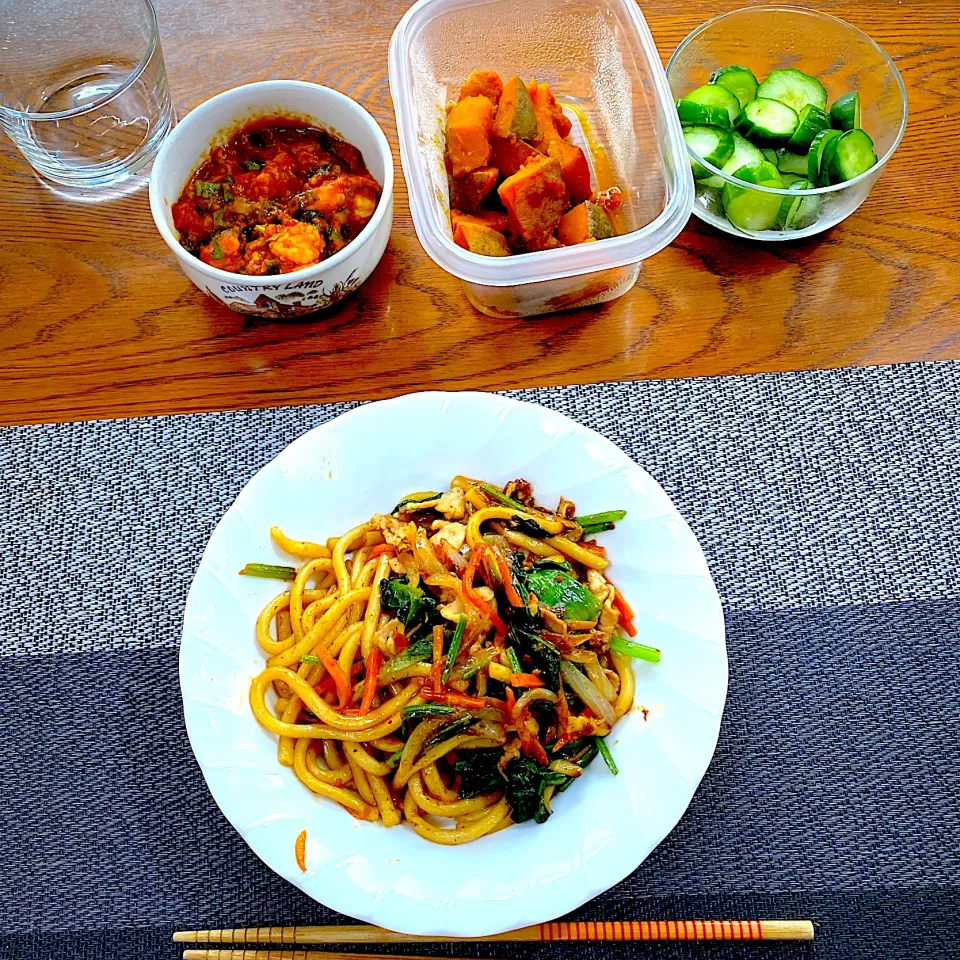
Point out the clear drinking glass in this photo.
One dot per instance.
(83, 91)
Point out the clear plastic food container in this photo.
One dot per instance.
(603, 67)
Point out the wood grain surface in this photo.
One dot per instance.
(96, 319)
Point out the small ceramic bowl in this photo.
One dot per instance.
(839, 55)
(214, 122)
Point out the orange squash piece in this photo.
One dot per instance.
(535, 198)
(468, 192)
(509, 154)
(573, 165)
(478, 238)
(482, 83)
(585, 222)
(553, 125)
(468, 135)
(515, 114)
(494, 219)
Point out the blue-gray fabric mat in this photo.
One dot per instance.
(828, 505)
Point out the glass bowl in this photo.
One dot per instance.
(840, 56)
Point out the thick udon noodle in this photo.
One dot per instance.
(370, 751)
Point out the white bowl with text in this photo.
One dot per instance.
(213, 123)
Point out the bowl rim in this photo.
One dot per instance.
(158, 204)
(815, 191)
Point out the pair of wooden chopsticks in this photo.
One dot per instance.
(729, 930)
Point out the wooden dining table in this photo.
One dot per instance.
(97, 321)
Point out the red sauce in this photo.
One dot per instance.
(279, 196)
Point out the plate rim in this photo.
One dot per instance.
(332, 898)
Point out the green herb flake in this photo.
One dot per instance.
(252, 165)
(454, 647)
(215, 252)
(206, 189)
(607, 756)
(269, 571)
(310, 658)
(423, 711)
(630, 648)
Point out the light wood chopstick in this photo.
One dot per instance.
(540, 933)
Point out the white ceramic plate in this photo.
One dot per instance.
(604, 826)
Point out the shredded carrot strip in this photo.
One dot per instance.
(563, 719)
(530, 745)
(511, 701)
(509, 588)
(400, 641)
(625, 614)
(462, 700)
(436, 671)
(621, 604)
(382, 548)
(374, 662)
(344, 691)
(526, 680)
(476, 555)
(300, 850)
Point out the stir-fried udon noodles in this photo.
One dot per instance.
(456, 663)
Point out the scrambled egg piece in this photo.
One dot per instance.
(452, 504)
(395, 532)
(453, 533)
(299, 243)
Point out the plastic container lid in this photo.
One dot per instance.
(601, 63)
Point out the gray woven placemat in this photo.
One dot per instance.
(827, 506)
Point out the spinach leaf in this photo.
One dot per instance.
(561, 593)
(450, 730)
(581, 752)
(417, 652)
(526, 782)
(408, 503)
(543, 655)
(413, 606)
(530, 527)
(479, 772)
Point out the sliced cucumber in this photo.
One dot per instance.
(852, 155)
(815, 164)
(738, 80)
(711, 144)
(845, 112)
(789, 162)
(702, 114)
(750, 209)
(812, 121)
(794, 88)
(798, 212)
(767, 122)
(789, 179)
(744, 152)
(769, 155)
(709, 95)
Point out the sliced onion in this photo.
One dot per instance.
(538, 693)
(587, 692)
(567, 768)
(426, 559)
(599, 679)
(489, 729)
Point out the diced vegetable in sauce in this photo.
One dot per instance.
(278, 196)
(514, 178)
